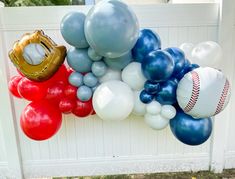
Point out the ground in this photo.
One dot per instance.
(227, 174)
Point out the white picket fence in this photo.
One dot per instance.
(93, 147)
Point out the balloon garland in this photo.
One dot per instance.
(116, 70)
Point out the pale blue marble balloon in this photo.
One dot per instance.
(90, 80)
(111, 28)
(99, 68)
(72, 29)
(84, 93)
(120, 62)
(76, 79)
(79, 60)
(93, 55)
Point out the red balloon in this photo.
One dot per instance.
(83, 108)
(13, 86)
(66, 105)
(40, 120)
(70, 91)
(55, 92)
(31, 90)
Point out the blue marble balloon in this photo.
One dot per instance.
(111, 28)
(84, 93)
(93, 55)
(120, 62)
(145, 97)
(148, 41)
(178, 58)
(167, 92)
(151, 87)
(76, 79)
(99, 68)
(190, 131)
(158, 66)
(72, 29)
(79, 60)
(90, 80)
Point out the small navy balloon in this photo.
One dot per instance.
(84, 93)
(90, 80)
(72, 29)
(99, 68)
(185, 70)
(167, 92)
(93, 54)
(145, 97)
(178, 58)
(190, 131)
(193, 66)
(158, 66)
(148, 41)
(76, 79)
(151, 87)
(79, 60)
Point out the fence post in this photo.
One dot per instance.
(7, 115)
(221, 122)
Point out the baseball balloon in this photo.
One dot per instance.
(203, 92)
(139, 107)
(34, 53)
(156, 122)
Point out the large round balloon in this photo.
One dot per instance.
(79, 60)
(113, 100)
(203, 92)
(111, 28)
(13, 86)
(40, 120)
(133, 76)
(72, 29)
(110, 75)
(187, 49)
(158, 66)
(148, 41)
(189, 130)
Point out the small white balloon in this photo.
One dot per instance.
(133, 76)
(113, 100)
(187, 49)
(156, 122)
(110, 75)
(139, 107)
(153, 108)
(207, 54)
(168, 111)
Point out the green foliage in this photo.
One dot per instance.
(35, 2)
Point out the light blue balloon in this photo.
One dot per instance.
(84, 93)
(90, 80)
(79, 60)
(99, 68)
(111, 28)
(76, 79)
(93, 55)
(120, 62)
(72, 29)
(95, 87)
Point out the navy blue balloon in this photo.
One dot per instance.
(148, 41)
(190, 131)
(167, 92)
(193, 66)
(158, 66)
(185, 70)
(178, 57)
(145, 97)
(151, 87)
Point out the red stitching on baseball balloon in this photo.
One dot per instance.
(195, 92)
(222, 98)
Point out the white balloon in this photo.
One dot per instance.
(133, 76)
(168, 111)
(139, 107)
(156, 122)
(153, 108)
(187, 48)
(203, 92)
(110, 75)
(207, 54)
(113, 100)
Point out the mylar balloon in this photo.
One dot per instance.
(111, 28)
(158, 66)
(72, 29)
(83, 108)
(13, 86)
(113, 100)
(156, 122)
(189, 130)
(148, 41)
(139, 107)
(40, 120)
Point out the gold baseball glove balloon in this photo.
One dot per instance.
(37, 56)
